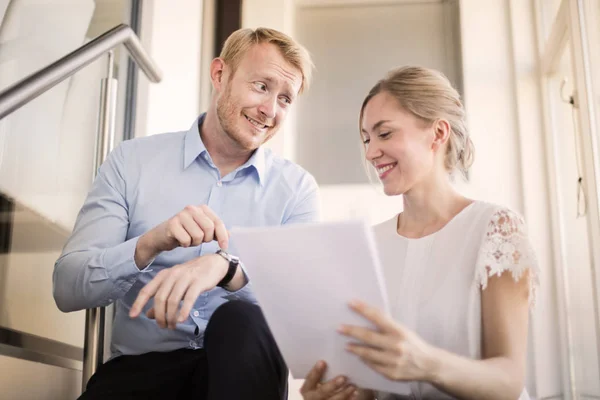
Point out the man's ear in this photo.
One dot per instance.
(441, 131)
(217, 72)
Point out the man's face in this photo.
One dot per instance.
(254, 101)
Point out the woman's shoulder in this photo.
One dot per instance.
(477, 218)
(498, 225)
(506, 247)
(490, 215)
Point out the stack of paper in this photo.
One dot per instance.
(303, 277)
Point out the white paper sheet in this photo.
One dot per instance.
(303, 277)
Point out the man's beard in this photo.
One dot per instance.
(226, 116)
(228, 119)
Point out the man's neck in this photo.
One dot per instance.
(224, 152)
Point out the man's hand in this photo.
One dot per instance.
(182, 282)
(335, 389)
(192, 226)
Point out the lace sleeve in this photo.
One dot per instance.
(506, 247)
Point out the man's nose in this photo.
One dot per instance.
(269, 107)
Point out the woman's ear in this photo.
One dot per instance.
(441, 131)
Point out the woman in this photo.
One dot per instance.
(461, 273)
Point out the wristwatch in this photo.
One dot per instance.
(234, 262)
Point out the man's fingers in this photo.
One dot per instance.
(330, 387)
(145, 295)
(313, 377)
(150, 313)
(207, 226)
(195, 232)
(220, 232)
(177, 293)
(191, 296)
(222, 235)
(347, 393)
(162, 296)
(178, 232)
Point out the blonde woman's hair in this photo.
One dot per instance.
(240, 41)
(428, 95)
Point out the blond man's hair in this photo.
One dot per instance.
(428, 95)
(240, 41)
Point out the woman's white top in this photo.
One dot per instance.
(434, 283)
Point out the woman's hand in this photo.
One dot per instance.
(392, 350)
(335, 389)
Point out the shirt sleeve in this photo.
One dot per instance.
(97, 264)
(506, 248)
(245, 293)
(307, 206)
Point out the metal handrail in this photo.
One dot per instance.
(40, 349)
(39, 82)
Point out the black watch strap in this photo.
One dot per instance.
(234, 262)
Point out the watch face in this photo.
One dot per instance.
(229, 257)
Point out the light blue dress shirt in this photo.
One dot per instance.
(144, 182)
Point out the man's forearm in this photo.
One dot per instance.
(240, 286)
(239, 281)
(145, 253)
(93, 278)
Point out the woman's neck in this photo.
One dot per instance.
(429, 207)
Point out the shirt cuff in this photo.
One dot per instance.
(119, 262)
(245, 292)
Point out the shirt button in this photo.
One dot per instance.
(196, 314)
(219, 183)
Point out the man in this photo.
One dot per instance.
(152, 238)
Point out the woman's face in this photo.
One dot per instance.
(401, 147)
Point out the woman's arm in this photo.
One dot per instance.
(501, 372)
(399, 354)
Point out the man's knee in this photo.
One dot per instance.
(235, 308)
(234, 315)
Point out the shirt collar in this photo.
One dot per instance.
(194, 147)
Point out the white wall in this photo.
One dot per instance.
(350, 57)
(274, 14)
(208, 50)
(547, 350)
(489, 100)
(172, 33)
